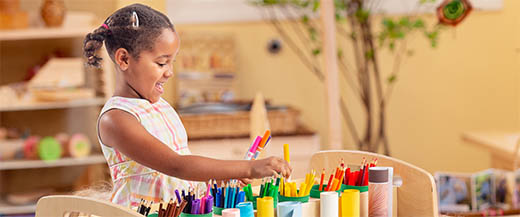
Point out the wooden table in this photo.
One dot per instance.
(502, 146)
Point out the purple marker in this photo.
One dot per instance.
(209, 205)
(178, 196)
(195, 207)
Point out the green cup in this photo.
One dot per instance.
(315, 192)
(217, 210)
(197, 215)
(360, 188)
(153, 215)
(303, 199)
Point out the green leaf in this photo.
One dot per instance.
(418, 24)
(316, 51)
(362, 15)
(316, 5)
(270, 2)
(391, 45)
(405, 22)
(305, 19)
(353, 35)
(392, 79)
(305, 4)
(338, 16)
(426, 1)
(369, 54)
(388, 23)
(313, 33)
(339, 5)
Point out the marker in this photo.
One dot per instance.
(286, 153)
(251, 152)
(262, 144)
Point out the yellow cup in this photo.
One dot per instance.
(350, 203)
(265, 207)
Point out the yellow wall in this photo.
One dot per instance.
(155, 4)
(469, 82)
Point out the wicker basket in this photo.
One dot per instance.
(236, 124)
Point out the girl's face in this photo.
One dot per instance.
(148, 74)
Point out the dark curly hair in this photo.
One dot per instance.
(134, 28)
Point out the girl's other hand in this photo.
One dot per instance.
(243, 182)
(270, 167)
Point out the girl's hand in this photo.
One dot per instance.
(270, 167)
(243, 182)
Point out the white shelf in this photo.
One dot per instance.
(55, 105)
(30, 164)
(43, 33)
(6, 209)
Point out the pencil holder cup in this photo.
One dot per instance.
(315, 190)
(275, 201)
(360, 188)
(303, 199)
(153, 215)
(197, 215)
(217, 210)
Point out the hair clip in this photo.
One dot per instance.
(105, 26)
(135, 21)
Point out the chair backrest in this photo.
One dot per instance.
(416, 197)
(60, 205)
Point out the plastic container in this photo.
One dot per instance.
(303, 199)
(217, 210)
(197, 215)
(275, 201)
(361, 189)
(315, 193)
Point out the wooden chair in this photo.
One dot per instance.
(416, 197)
(64, 205)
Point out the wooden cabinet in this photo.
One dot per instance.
(19, 51)
(301, 149)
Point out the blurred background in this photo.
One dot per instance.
(449, 84)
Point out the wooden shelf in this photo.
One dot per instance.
(43, 33)
(7, 209)
(30, 164)
(55, 105)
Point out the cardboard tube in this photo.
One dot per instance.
(363, 204)
(329, 204)
(350, 203)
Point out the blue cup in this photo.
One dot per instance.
(289, 209)
(246, 209)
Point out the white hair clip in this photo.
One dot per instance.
(135, 22)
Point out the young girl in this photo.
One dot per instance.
(141, 136)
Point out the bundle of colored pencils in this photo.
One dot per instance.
(289, 189)
(343, 175)
(188, 203)
(228, 195)
(144, 209)
(268, 188)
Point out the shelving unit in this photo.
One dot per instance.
(43, 33)
(54, 105)
(20, 50)
(64, 162)
(7, 209)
